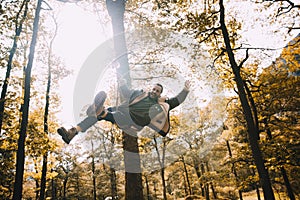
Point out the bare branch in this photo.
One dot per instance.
(49, 7)
(245, 59)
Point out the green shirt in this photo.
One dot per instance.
(142, 111)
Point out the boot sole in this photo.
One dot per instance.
(64, 136)
(99, 100)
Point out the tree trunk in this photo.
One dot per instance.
(252, 130)
(113, 182)
(162, 166)
(133, 177)
(163, 170)
(43, 177)
(198, 172)
(10, 58)
(147, 188)
(46, 114)
(94, 172)
(116, 10)
(37, 185)
(252, 171)
(205, 186)
(234, 170)
(287, 184)
(65, 181)
(187, 176)
(53, 187)
(25, 110)
(211, 184)
(155, 189)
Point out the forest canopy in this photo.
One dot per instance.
(236, 136)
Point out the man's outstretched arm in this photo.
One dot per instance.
(178, 99)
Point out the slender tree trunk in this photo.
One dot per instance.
(163, 170)
(186, 175)
(282, 169)
(162, 166)
(211, 184)
(252, 171)
(45, 156)
(197, 168)
(234, 170)
(252, 130)
(155, 189)
(147, 188)
(65, 181)
(213, 190)
(43, 177)
(133, 177)
(46, 114)
(53, 187)
(113, 181)
(287, 184)
(12, 52)
(207, 191)
(94, 180)
(94, 172)
(205, 186)
(25, 110)
(257, 192)
(37, 185)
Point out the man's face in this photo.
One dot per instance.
(155, 92)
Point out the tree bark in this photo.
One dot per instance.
(116, 10)
(133, 176)
(252, 130)
(25, 109)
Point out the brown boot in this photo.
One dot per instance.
(97, 107)
(67, 135)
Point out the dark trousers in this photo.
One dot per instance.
(114, 116)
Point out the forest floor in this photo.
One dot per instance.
(253, 196)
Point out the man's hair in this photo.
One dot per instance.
(160, 85)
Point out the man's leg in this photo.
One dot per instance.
(68, 135)
(121, 119)
(96, 107)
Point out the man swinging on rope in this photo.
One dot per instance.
(139, 110)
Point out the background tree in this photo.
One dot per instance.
(19, 20)
(25, 108)
(277, 110)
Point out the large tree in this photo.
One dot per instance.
(253, 130)
(18, 185)
(133, 176)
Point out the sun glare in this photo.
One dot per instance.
(79, 33)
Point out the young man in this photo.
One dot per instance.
(140, 109)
